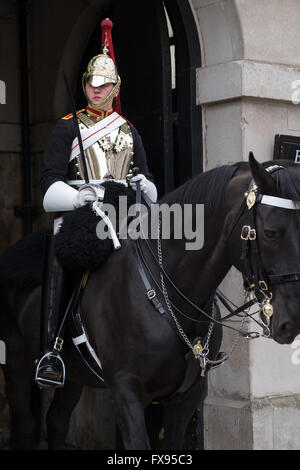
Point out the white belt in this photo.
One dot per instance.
(81, 182)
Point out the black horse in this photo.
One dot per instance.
(143, 357)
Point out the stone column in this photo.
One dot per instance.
(250, 64)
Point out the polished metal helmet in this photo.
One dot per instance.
(102, 69)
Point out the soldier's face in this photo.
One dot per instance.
(97, 94)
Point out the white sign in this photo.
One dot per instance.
(2, 92)
(297, 158)
(2, 352)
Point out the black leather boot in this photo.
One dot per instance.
(50, 369)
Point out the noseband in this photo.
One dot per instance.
(256, 279)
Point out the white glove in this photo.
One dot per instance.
(61, 197)
(86, 194)
(147, 186)
(143, 182)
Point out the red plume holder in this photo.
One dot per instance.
(107, 43)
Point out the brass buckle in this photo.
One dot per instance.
(248, 233)
(252, 234)
(151, 294)
(263, 285)
(58, 344)
(245, 232)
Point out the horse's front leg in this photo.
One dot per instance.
(58, 416)
(24, 400)
(178, 414)
(130, 417)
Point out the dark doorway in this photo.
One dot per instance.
(157, 52)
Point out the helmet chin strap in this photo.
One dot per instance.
(108, 98)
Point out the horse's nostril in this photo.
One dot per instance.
(286, 328)
(286, 332)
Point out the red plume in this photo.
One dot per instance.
(106, 42)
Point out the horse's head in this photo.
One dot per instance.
(270, 239)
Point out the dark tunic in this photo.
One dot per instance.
(56, 166)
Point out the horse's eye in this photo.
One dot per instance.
(270, 234)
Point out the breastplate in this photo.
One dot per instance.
(108, 158)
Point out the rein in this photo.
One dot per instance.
(200, 346)
(256, 280)
(151, 293)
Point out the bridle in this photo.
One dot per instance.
(256, 279)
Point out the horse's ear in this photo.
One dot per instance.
(261, 176)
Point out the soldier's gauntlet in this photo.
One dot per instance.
(60, 197)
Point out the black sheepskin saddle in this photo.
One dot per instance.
(77, 245)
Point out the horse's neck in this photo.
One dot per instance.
(198, 273)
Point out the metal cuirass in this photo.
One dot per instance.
(108, 158)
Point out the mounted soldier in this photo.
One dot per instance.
(112, 148)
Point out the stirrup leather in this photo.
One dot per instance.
(42, 381)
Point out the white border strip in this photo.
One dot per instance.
(280, 202)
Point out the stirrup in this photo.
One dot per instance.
(46, 383)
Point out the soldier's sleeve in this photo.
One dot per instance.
(139, 155)
(57, 154)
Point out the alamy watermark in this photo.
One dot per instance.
(295, 357)
(2, 92)
(175, 221)
(296, 92)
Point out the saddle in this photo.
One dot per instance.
(77, 245)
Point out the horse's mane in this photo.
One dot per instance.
(209, 187)
(205, 188)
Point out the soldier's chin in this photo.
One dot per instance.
(96, 101)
